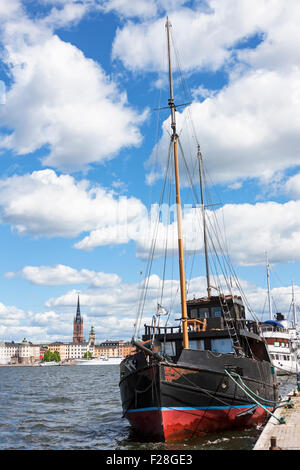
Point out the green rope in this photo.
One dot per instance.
(280, 420)
(275, 403)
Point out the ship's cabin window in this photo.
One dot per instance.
(197, 344)
(221, 345)
(237, 311)
(216, 312)
(199, 312)
(203, 313)
(276, 343)
(194, 313)
(169, 348)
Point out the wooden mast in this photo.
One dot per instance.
(174, 139)
(204, 222)
(269, 290)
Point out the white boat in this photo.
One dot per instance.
(281, 339)
(280, 347)
(99, 361)
(49, 363)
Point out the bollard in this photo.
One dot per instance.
(298, 381)
(273, 445)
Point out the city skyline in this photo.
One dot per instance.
(83, 151)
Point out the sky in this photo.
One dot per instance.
(84, 150)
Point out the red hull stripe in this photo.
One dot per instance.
(186, 422)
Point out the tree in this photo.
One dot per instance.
(51, 356)
(56, 356)
(47, 356)
(87, 355)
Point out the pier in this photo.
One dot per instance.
(284, 435)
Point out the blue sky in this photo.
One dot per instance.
(83, 152)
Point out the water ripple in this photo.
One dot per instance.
(60, 408)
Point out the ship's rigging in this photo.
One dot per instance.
(219, 272)
(172, 386)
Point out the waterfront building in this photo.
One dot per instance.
(61, 348)
(113, 348)
(19, 353)
(69, 351)
(28, 353)
(7, 351)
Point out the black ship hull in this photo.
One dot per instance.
(171, 401)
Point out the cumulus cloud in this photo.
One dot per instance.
(45, 204)
(292, 186)
(10, 314)
(250, 231)
(250, 127)
(61, 275)
(245, 130)
(112, 312)
(214, 29)
(60, 100)
(141, 9)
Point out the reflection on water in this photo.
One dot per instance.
(79, 408)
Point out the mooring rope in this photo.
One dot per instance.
(281, 420)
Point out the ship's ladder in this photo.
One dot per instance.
(231, 327)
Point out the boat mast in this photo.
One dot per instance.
(204, 221)
(174, 139)
(294, 306)
(268, 281)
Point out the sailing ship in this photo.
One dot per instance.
(211, 372)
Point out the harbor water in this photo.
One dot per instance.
(79, 408)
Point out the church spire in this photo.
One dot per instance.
(78, 315)
(78, 325)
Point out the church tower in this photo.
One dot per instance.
(78, 326)
(92, 337)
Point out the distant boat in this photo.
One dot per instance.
(99, 361)
(49, 363)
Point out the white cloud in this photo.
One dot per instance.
(45, 204)
(10, 315)
(214, 30)
(254, 229)
(250, 231)
(61, 275)
(292, 186)
(142, 9)
(61, 99)
(134, 8)
(9, 9)
(113, 311)
(249, 129)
